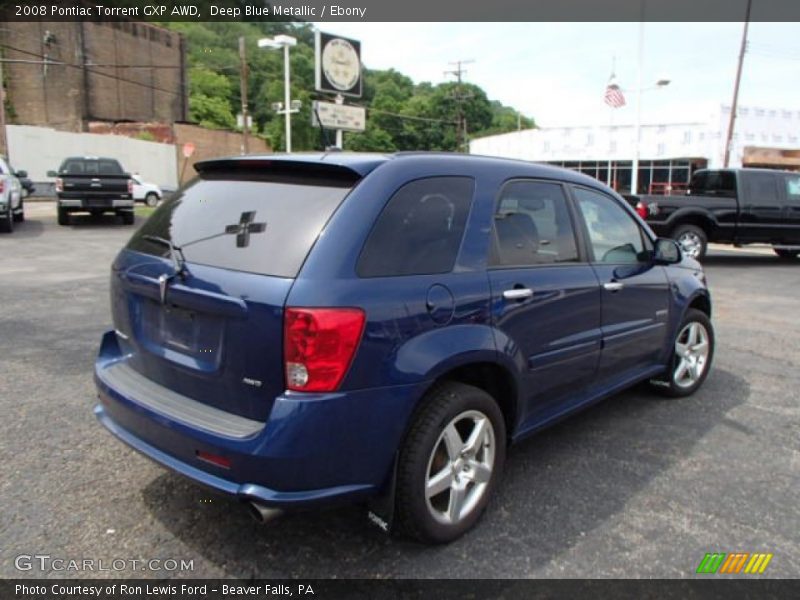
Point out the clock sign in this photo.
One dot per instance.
(338, 65)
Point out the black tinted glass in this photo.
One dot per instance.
(91, 166)
(762, 189)
(260, 226)
(419, 231)
(532, 225)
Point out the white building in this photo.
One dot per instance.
(669, 152)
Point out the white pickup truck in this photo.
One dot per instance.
(11, 209)
(149, 193)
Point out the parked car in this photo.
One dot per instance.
(730, 206)
(28, 188)
(95, 185)
(149, 193)
(12, 208)
(305, 330)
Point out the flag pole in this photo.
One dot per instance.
(611, 124)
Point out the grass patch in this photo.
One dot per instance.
(144, 211)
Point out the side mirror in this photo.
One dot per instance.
(52, 174)
(22, 174)
(667, 252)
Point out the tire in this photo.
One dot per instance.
(692, 240)
(679, 381)
(151, 199)
(20, 216)
(7, 222)
(474, 473)
(63, 216)
(127, 217)
(786, 254)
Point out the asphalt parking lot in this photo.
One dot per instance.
(637, 486)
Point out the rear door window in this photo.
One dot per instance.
(419, 231)
(244, 221)
(762, 189)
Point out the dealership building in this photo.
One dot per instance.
(669, 152)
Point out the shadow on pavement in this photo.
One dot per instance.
(559, 485)
(27, 229)
(747, 260)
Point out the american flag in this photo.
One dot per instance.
(614, 97)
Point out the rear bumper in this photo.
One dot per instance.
(313, 449)
(90, 203)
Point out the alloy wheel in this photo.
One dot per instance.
(691, 348)
(691, 244)
(460, 467)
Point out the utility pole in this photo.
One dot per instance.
(243, 80)
(460, 97)
(734, 104)
(3, 136)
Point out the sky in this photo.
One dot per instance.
(557, 72)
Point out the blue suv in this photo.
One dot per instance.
(304, 330)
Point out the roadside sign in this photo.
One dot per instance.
(188, 149)
(337, 65)
(339, 116)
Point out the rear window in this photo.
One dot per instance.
(419, 231)
(91, 166)
(246, 222)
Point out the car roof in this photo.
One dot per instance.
(363, 163)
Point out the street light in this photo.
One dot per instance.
(285, 42)
(661, 83)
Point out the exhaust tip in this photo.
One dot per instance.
(263, 514)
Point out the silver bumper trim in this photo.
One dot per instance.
(125, 380)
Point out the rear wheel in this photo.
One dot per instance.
(127, 217)
(450, 463)
(692, 240)
(151, 199)
(63, 216)
(786, 254)
(693, 351)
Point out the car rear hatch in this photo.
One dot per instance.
(198, 293)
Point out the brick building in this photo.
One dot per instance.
(65, 74)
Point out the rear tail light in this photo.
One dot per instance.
(59, 184)
(641, 210)
(319, 345)
(2, 186)
(130, 186)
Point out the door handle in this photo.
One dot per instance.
(518, 294)
(613, 286)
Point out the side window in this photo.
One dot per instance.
(614, 235)
(762, 189)
(793, 189)
(532, 226)
(419, 231)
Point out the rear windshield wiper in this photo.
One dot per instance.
(175, 252)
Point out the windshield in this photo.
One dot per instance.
(254, 224)
(91, 166)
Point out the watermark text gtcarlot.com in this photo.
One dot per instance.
(49, 563)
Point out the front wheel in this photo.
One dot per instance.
(692, 240)
(450, 463)
(693, 351)
(786, 254)
(7, 222)
(20, 216)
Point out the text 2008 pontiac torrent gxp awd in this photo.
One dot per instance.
(304, 330)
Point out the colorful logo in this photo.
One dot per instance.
(734, 563)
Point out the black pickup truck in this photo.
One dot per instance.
(730, 206)
(95, 185)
